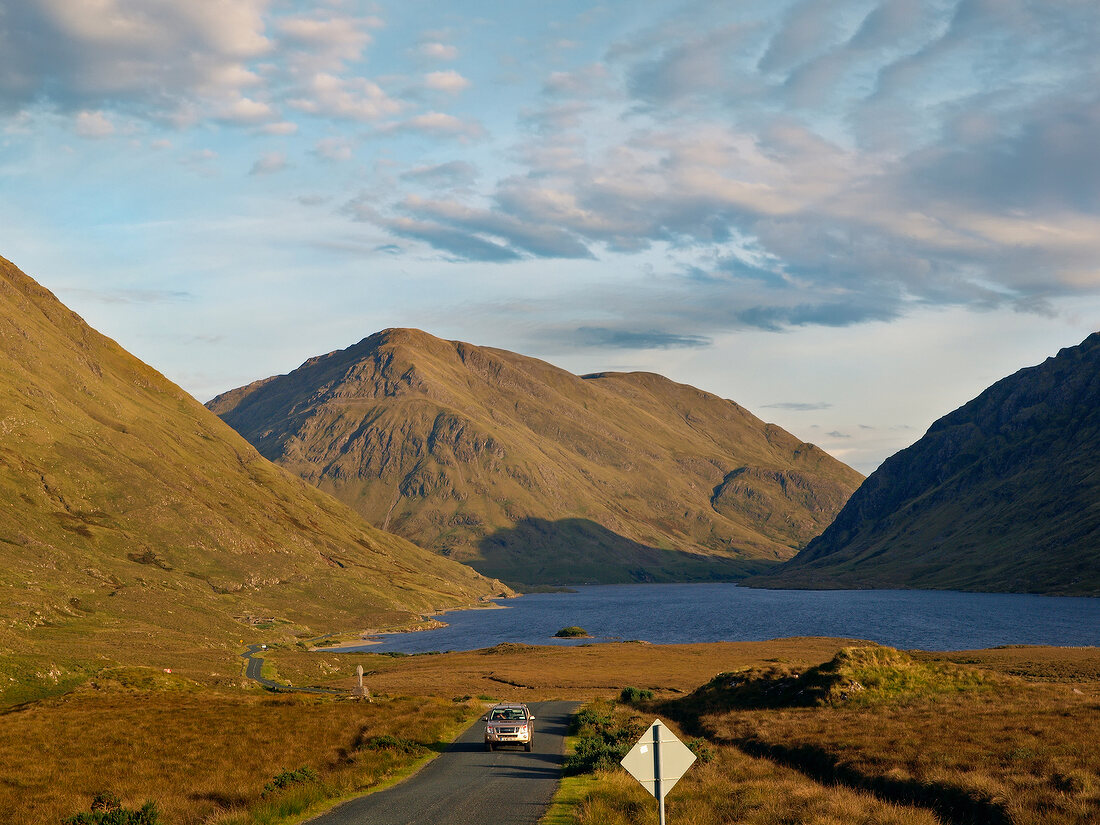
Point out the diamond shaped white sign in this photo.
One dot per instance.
(658, 760)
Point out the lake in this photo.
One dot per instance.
(676, 613)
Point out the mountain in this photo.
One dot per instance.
(133, 520)
(1003, 494)
(535, 475)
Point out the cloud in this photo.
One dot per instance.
(120, 52)
(283, 127)
(354, 98)
(837, 434)
(244, 110)
(437, 124)
(539, 240)
(462, 245)
(269, 163)
(451, 175)
(437, 51)
(333, 149)
(93, 125)
(131, 296)
(449, 81)
(635, 339)
(798, 406)
(321, 41)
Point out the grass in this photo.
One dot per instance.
(228, 758)
(928, 738)
(727, 786)
(137, 527)
(931, 738)
(967, 744)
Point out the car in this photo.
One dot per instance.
(509, 724)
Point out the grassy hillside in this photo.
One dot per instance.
(1003, 494)
(533, 474)
(135, 525)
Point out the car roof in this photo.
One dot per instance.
(509, 705)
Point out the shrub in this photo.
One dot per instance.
(571, 632)
(286, 779)
(702, 749)
(107, 809)
(601, 743)
(393, 743)
(633, 695)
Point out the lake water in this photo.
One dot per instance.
(675, 613)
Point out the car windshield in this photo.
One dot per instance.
(507, 715)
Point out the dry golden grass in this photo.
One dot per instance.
(1005, 750)
(734, 787)
(1023, 757)
(1024, 750)
(532, 673)
(203, 756)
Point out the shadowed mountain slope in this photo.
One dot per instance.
(1003, 494)
(133, 520)
(522, 469)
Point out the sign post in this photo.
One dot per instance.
(657, 761)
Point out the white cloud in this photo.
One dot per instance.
(355, 98)
(94, 125)
(449, 81)
(438, 124)
(438, 51)
(283, 127)
(326, 42)
(82, 55)
(246, 111)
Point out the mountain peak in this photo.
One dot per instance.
(517, 466)
(998, 495)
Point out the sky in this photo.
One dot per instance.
(849, 216)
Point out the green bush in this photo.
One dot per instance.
(571, 632)
(394, 743)
(106, 809)
(702, 749)
(633, 695)
(601, 744)
(285, 779)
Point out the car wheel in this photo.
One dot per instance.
(527, 747)
(489, 747)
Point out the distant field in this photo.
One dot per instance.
(1008, 733)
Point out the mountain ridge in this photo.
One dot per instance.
(1001, 494)
(132, 518)
(455, 445)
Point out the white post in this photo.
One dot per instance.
(658, 791)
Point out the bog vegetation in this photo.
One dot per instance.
(872, 735)
(811, 731)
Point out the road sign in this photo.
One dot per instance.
(658, 761)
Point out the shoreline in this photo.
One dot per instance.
(370, 636)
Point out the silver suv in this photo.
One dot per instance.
(509, 724)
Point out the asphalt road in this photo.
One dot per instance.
(255, 665)
(467, 785)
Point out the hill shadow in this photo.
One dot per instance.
(581, 551)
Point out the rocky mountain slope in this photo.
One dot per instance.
(1003, 494)
(133, 521)
(535, 475)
